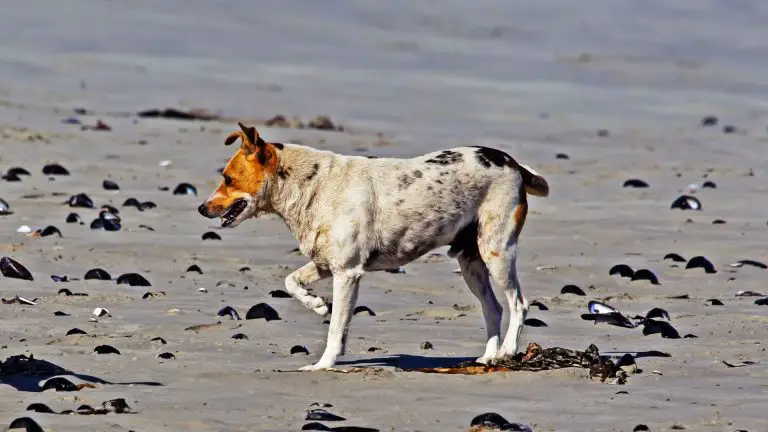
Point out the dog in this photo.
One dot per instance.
(357, 214)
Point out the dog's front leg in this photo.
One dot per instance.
(296, 282)
(345, 288)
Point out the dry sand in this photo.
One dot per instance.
(535, 78)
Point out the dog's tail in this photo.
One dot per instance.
(534, 184)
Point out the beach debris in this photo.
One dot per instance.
(539, 305)
(572, 289)
(60, 313)
(110, 185)
(622, 270)
(75, 331)
(14, 174)
(364, 309)
(133, 202)
(320, 414)
(323, 122)
(635, 183)
(718, 222)
(107, 221)
(177, 114)
(239, 336)
(244, 269)
(686, 202)
(106, 349)
(729, 129)
(749, 294)
(651, 326)
(491, 421)
(25, 423)
(714, 302)
(315, 426)
(426, 345)
(101, 312)
(534, 322)
(709, 120)
(645, 274)
(562, 156)
(185, 189)
(657, 313)
(202, 290)
(228, 311)
(20, 300)
(278, 293)
(80, 200)
(679, 297)
(74, 218)
(159, 340)
(262, 311)
(210, 235)
(55, 169)
(98, 274)
(166, 356)
(56, 278)
(99, 126)
(601, 312)
(739, 364)
(194, 268)
(40, 408)
(48, 231)
(148, 205)
(5, 208)
(701, 262)
(59, 384)
(674, 257)
(299, 349)
(133, 279)
(762, 301)
(24, 229)
(11, 268)
(709, 184)
(151, 294)
(752, 263)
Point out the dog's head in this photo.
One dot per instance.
(242, 191)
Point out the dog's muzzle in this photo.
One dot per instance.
(203, 210)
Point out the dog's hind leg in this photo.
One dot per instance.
(475, 274)
(346, 284)
(296, 282)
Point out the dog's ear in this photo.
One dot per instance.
(252, 143)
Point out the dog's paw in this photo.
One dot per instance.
(314, 367)
(322, 310)
(487, 360)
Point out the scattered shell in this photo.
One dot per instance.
(572, 289)
(5, 209)
(80, 200)
(13, 269)
(667, 331)
(148, 205)
(210, 235)
(494, 421)
(244, 269)
(100, 312)
(262, 310)
(194, 268)
(106, 349)
(74, 218)
(239, 336)
(718, 222)
(228, 311)
(729, 129)
(426, 345)
(315, 426)
(674, 257)
(752, 263)
(714, 302)
(49, 231)
(17, 171)
(635, 183)
(562, 156)
(657, 313)
(622, 270)
(185, 189)
(25, 423)
(749, 294)
(150, 294)
(60, 313)
(158, 339)
(645, 274)
(98, 274)
(110, 185)
(59, 278)
(59, 384)
(708, 121)
(298, 349)
(539, 305)
(739, 364)
(166, 356)
(40, 408)
(709, 185)
(686, 202)
(535, 322)
(55, 169)
(278, 293)
(202, 290)
(119, 406)
(701, 262)
(762, 301)
(319, 414)
(24, 229)
(133, 202)
(133, 279)
(65, 292)
(364, 309)
(75, 331)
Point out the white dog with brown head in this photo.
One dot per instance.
(354, 214)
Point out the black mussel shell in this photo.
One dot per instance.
(13, 269)
(535, 322)
(194, 268)
(166, 356)
(278, 293)
(26, 423)
(97, 224)
(65, 291)
(762, 301)
(60, 278)
(158, 339)
(315, 426)
(239, 336)
(228, 311)
(489, 419)
(706, 121)
(9, 177)
(106, 349)
(110, 185)
(210, 235)
(539, 305)
(674, 257)
(133, 202)
(752, 263)
(686, 202)
(18, 171)
(60, 313)
(641, 427)
(75, 331)
(262, 310)
(299, 349)
(622, 270)
(110, 209)
(80, 200)
(657, 313)
(319, 414)
(148, 205)
(119, 405)
(635, 183)
(701, 262)
(55, 169)
(714, 302)
(185, 189)
(40, 408)
(97, 273)
(50, 230)
(645, 274)
(110, 225)
(562, 156)
(133, 279)
(5, 208)
(59, 384)
(244, 269)
(73, 218)
(709, 185)
(729, 129)
(364, 309)
(664, 328)
(572, 289)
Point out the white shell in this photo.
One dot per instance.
(24, 229)
(202, 290)
(100, 312)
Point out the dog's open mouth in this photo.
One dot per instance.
(234, 211)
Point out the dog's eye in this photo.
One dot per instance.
(227, 180)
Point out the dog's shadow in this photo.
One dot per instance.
(406, 361)
(34, 382)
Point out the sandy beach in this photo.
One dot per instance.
(617, 88)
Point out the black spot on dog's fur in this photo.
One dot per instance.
(438, 181)
(315, 169)
(466, 242)
(447, 157)
(487, 156)
(282, 172)
(429, 188)
(417, 174)
(400, 202)
(405, 181)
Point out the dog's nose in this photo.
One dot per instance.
(203, 209)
